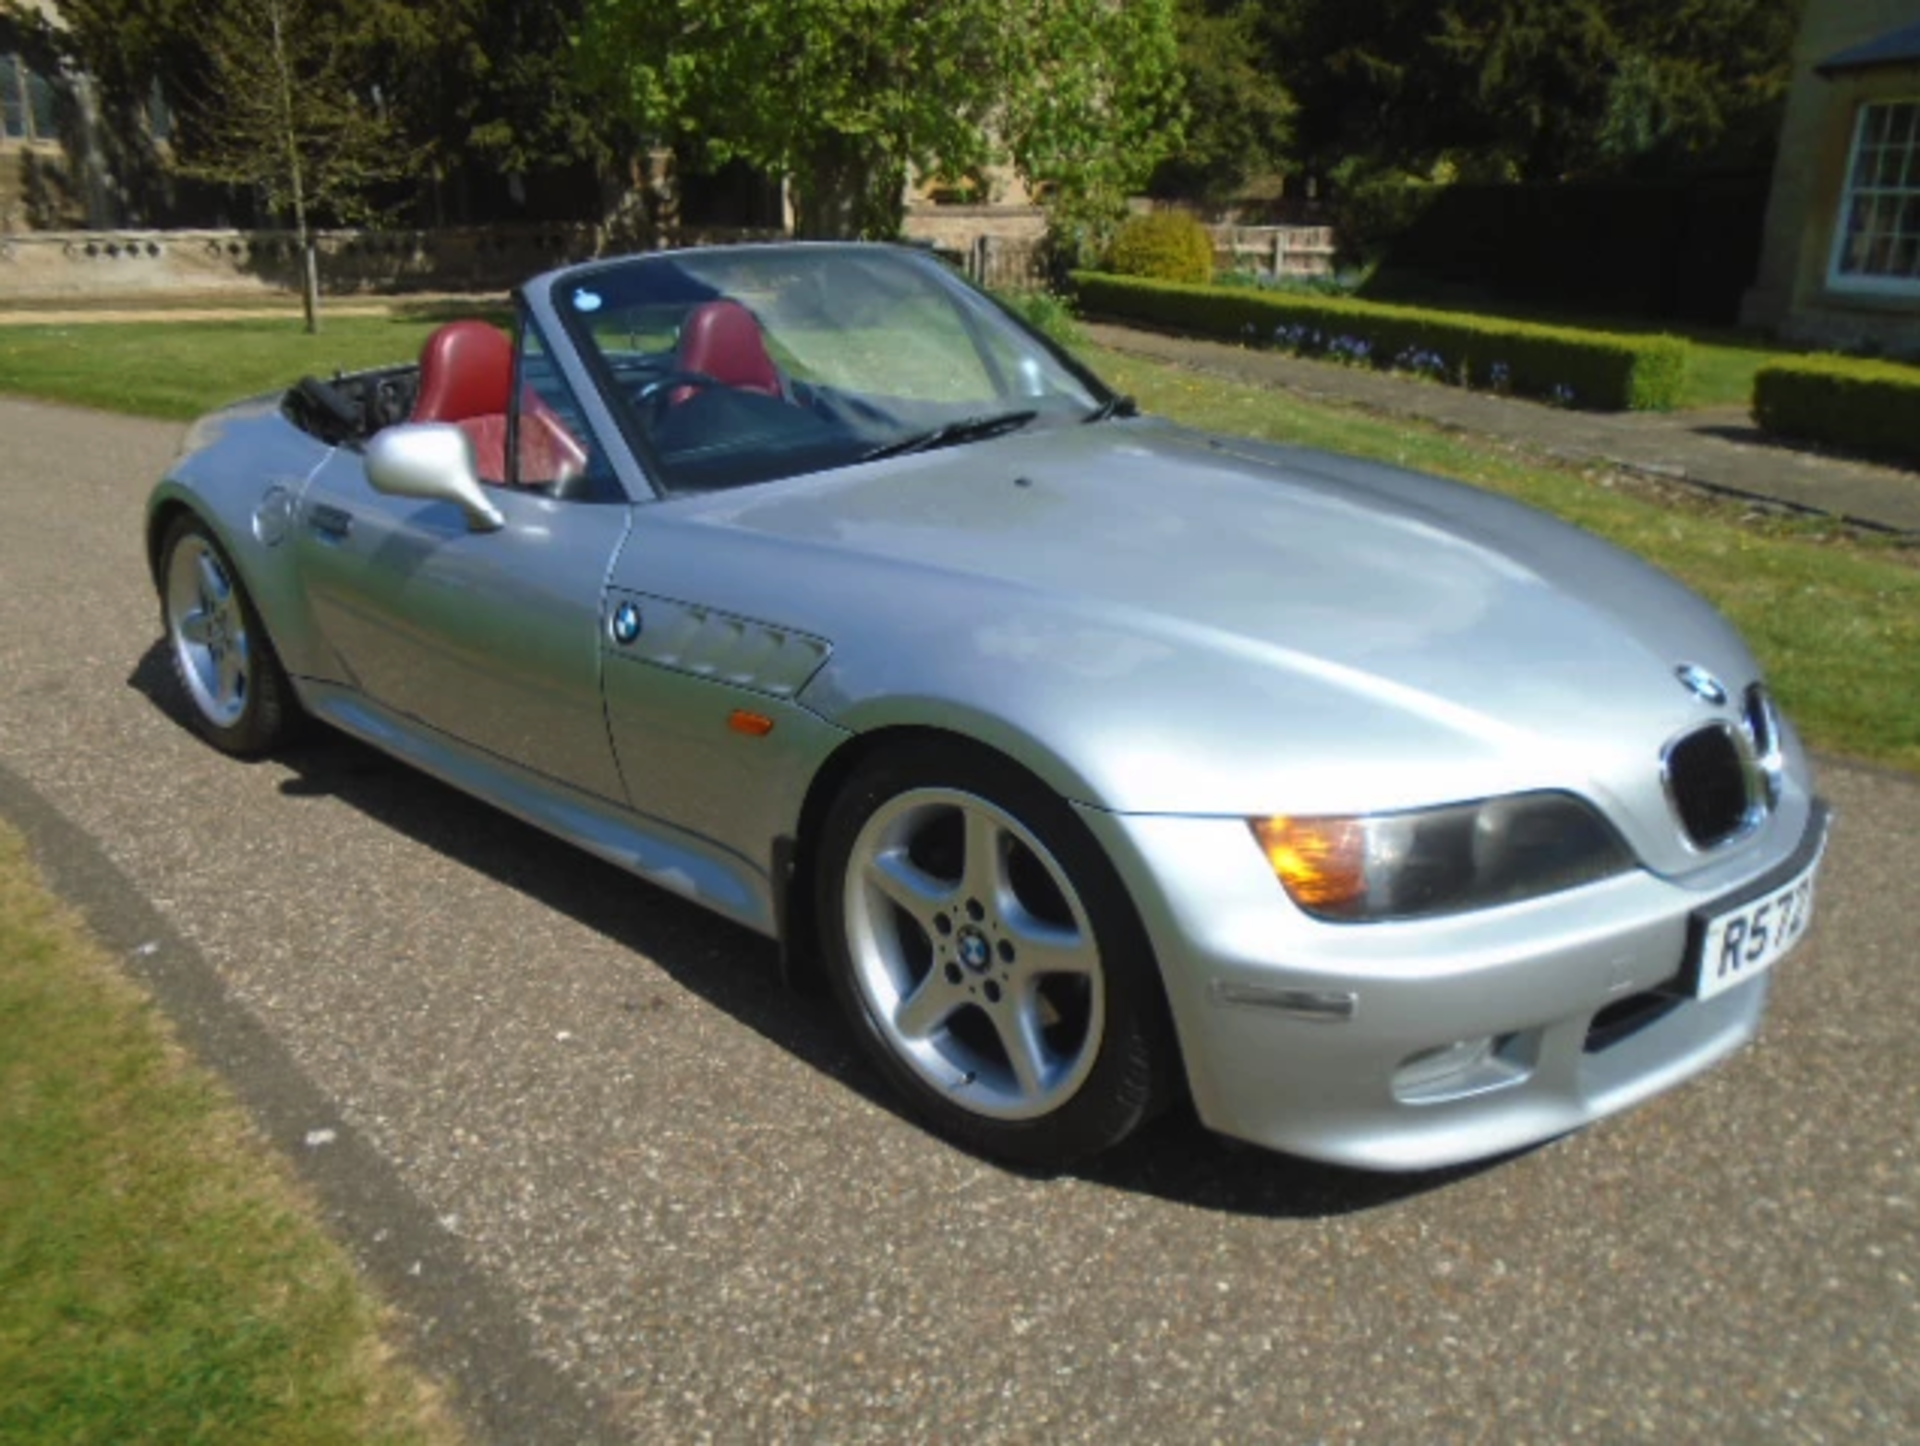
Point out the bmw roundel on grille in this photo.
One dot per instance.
(1702, 684)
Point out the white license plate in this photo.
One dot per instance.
(1746, 940)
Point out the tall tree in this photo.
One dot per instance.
(463, 86)
(491, 85)
(279, 108)
(1575, 85)
(1240, 122)
(1092, 108)
(846, 97)
(1540, 89)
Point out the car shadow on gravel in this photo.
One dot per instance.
(736, 970)
(1179, 1160)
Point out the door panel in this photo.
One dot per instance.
(491, 637)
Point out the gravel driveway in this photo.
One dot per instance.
(625, 1186)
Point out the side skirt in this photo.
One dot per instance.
(649, 848)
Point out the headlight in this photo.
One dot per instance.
(1440, 860)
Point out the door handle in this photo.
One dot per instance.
(332, 523)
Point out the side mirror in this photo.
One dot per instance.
(432, 461)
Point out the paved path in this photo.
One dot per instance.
(1718, 447)
(628, 1188)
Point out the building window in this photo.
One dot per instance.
(159, 115)
(26, 103)
(1878, 245)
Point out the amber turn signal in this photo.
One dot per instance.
(754, 725)
(1321, 861)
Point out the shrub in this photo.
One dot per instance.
(1869, 405)
(1596, 370)
(1163, 246)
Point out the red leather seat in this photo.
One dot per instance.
(466, 377)
(722, 340)
(466, 370)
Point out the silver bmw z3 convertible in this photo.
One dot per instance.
(1092, 761)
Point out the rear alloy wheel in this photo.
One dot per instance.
(985, 953)
(239, 698)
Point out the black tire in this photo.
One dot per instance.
(236, 693)
(1035, 942)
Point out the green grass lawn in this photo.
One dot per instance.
(1721, 367)
(178, 370)
(161, 1277)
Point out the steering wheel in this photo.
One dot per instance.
(656, 392)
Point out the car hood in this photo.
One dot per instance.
(1274, 626)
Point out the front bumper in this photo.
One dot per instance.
(1413, 1045)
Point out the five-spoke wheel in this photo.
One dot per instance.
(973, 952)
(988, 958)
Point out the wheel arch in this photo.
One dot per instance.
(160, 519)
(167, 508)
(796, 856)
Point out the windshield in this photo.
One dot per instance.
(739, 365)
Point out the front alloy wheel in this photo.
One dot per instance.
(987, 957)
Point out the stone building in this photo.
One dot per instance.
(29, 136)
(53, 168)
(1840, 263)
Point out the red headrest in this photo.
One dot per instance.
(721, 339)
(466, 370)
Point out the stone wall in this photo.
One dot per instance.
(1283, 251)
(998, 246)
(1004, 246)
(132, 264)
(1791, 293)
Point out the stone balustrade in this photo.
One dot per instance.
(131, 264)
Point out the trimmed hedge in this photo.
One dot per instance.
(1872, 406)
(1600, 371)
